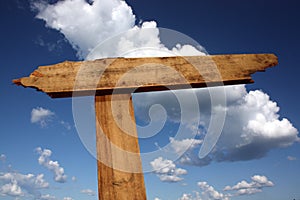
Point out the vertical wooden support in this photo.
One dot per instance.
(120, 174)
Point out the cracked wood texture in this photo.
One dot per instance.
(120, 174)
(128, 75)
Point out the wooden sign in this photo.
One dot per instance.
(112, 81)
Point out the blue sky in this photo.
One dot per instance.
(257, 156)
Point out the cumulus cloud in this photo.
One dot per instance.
(258, 128)
(89, 192)
(252, 126)
(101, 20)
(41, 116)
(246, 188)
(15, 184)
(94, 22)
(166, 170)
(195, 196)
(53, 166)
(209, 192)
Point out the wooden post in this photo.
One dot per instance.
(119, 165)
(114, 148)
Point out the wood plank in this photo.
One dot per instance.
(127, 75)
(119, 165)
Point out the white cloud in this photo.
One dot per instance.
(102, 20)
(246, 188)
(252, 125)
(261, 181)
(186, 197)
(11, 189)
(53, 166)
(41, 116)
(47, 197)
(166, 170)
(195, 196)
(94, 22)
(209, 192)
(187, 50)
(17, 185)
(248, 191)
(257, 128)
(88, 192)
(265, 122)
(68, 198)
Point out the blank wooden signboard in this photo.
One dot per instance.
(112, 81)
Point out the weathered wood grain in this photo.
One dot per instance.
(119, 166)
(127, 75)
(120, 174)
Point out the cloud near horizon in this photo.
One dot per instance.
(14, 184)
(246, 188)
(17, 185)
(242, 188)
